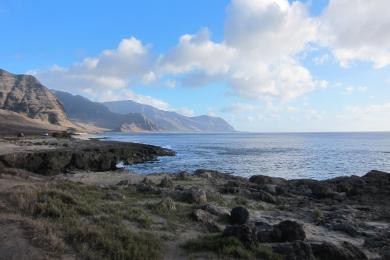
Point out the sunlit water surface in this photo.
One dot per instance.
(306, 155)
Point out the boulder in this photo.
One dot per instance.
(217, 211)
(288, 231)
(239, 216)
(263, 179)
(245, 233)
(147, 188)
(261, 232)
(206, 218)
(192, 195)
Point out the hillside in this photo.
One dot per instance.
(81, 109)
(26, 104)
(171, 121)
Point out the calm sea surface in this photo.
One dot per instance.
(306, 155)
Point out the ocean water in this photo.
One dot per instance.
(291, 156)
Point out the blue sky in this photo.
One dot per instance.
(263, 65)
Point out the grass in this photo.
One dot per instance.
(87, 222)
(317, 215)
(229, 247)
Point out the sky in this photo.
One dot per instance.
(263, 65)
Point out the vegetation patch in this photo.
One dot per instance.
(87, 222)
(229, 247)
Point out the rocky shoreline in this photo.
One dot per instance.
(50, 156)
(200, 215)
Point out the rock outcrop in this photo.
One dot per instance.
(83, 155)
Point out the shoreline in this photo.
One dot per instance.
(182, 215)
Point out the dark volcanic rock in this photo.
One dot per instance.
(346, 251)
(217, 211)
(191, 195)
(285, 231)
(288, 231)
(239, 215)
(207, 219)
(83, 155)
(245, 233)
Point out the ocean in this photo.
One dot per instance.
(288, 155)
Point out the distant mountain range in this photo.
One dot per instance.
(171, 121)
(27, 104)
(132, 116)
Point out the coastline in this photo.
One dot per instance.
(180, 215)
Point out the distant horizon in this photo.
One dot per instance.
(264, 66)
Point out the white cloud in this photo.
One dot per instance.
(197, 52)
(357, 31)
(370, 110)
(130, 62)
(257, 57)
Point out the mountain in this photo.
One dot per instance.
(171, 121)
(81, 109)
(24, 98)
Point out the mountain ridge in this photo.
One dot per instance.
(171, 121)
(24, 98)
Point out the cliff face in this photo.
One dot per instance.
(25, 95)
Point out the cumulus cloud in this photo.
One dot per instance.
(130, 62)
(257, 58)
(197, 53)
(357, 31)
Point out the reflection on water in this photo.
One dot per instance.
(306, 155)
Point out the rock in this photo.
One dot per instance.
(217, 211)
(124, 183)
(288, 231)
(264, 196)
(346, 251)
(167, 205)
(166, 183)
(62, 134)
(147, 188)
(192, 195)
(297, 250)
(344, 227)
(263, 179)
(385, 253)
(182, 176)
(206, 218)
(239, 215)
(245, 233)
(82, 155)
(210, 174)
(20, 134)
(113, 195)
